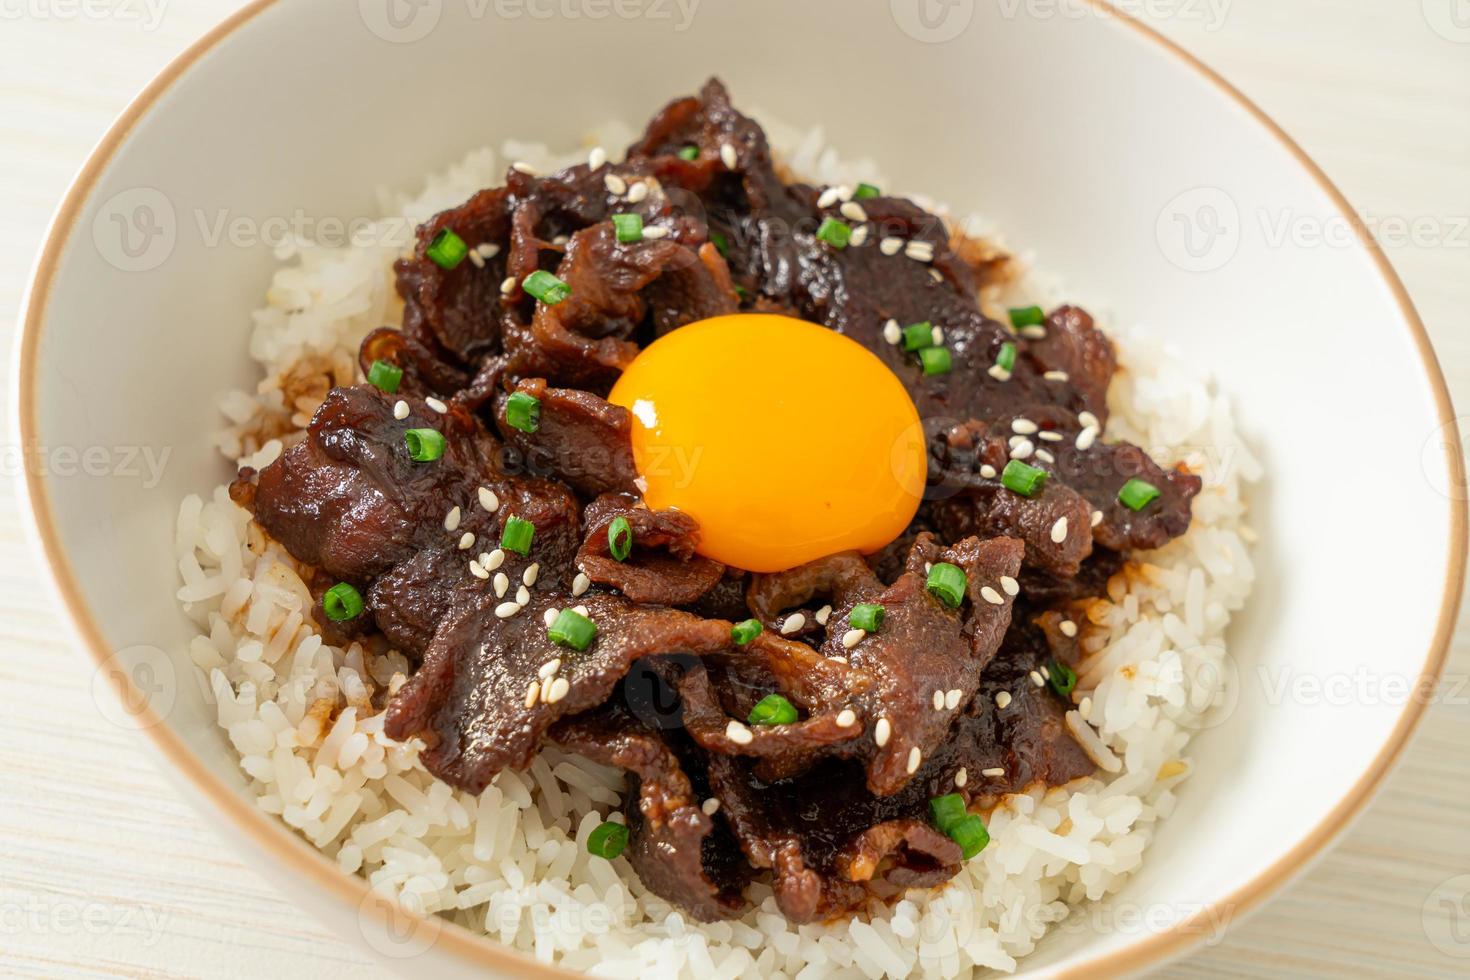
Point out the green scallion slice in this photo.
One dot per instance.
(546, 287)
(947, 582)
(385, 376)
(721, 242)
(936, 360)
(342, 602)
(1061, 678)
(607, 840)
(743, 633)
(773, 709)
(517, 535)
(834, 233)
(629, 227)
(1005, 358)
(865, 191)
(969, 832)
(690, 152)
(424, 445)
(447, 250)
(1022, 478)
(523, 412)
(947, 810)
(571, 629)
(866, 616)
(620, 538)
(917, 336)
(1027, 316)
(1138, 494)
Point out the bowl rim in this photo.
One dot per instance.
(277, 841)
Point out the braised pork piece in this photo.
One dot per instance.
(483, 548)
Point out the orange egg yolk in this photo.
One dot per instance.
(785, 440)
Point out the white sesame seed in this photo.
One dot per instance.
(852, 638)
(844, 193)
(1025, 427)
(1003, 700)
(637, 192)
(892, 333)
(580, 584)
(488, 500)
(846, 718)
(991, 596)
(530, 575)
(523, 595)
(859, 237)
(962, 777)
(1067, 627)
(655, 232)
(1037, 679)
(938, 700)
(596, 158)
(1015, 441)
(710, 807)
(549, 617)
(1045, 673)
(1010, 585)
(934, 274)
(1084, 708)
(1056, 376)
(1086, 438)
(436, 405)
(838, 660)
(1034, 332)
(488, 250)
(466, 541)
(823, 615)
(993, 771)
(919, 251)
(546, 683)
(987, 471)
(1050, 436)
(615, 184)
(915, 757)
(882, 732)
(1023, 449)
(728, 157)
(506, 610)
(551, 666)
(890, 246)
(738, 733)
(1059, 530)
(524, 168)
(501, 584)
(560, 688)
(400, 409)
(827, 198)
(853, 211)
(1045, 456)
(580, 610)
(507, 285)
(533, 694)
(477, 571)
(451, 519)
(1088, 420)
(952, 698)
(1097, 517)
(477, 260)
(793, 623)
(998, 373)
(937, 335)
(928, 567)
(493, 560)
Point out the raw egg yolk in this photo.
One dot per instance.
(786, 441)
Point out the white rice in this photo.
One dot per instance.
(511, 864)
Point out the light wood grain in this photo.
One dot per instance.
(104, 871)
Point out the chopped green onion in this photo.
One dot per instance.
(1027, 316)
(690, 152)
(936, 360)
(721, 242)
(947, 810)
(867, 616)
(917, 336)
(948, 582)
(447, 250)
(546, 287)
(1138, 494)
(607, 840)
(620, 538)
(773, 709)
(1061, 677)
(517, 535)
(1022, 478)
(424, 445)
(834, 233)
(342, 602)
(523, 412)
(969, 832)
(865, 191)
(385, 376)
(743, 633)
(571, 629)
(1005, 359)
(742, 292)
(629, 227)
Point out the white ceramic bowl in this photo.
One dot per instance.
(1130, 168)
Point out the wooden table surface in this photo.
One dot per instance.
(105, 871)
